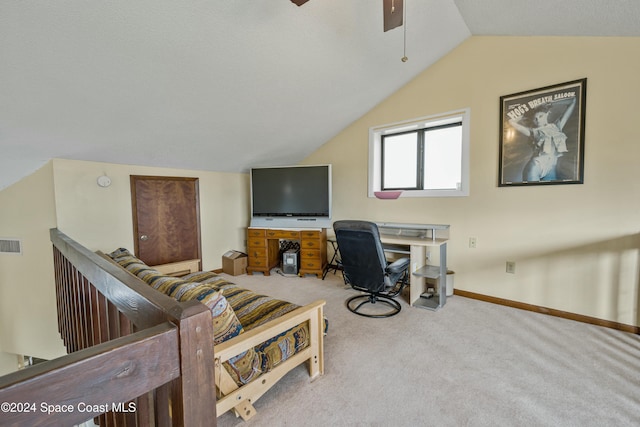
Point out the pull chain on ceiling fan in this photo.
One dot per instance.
(395, 14)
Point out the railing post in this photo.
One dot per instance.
(194, 391)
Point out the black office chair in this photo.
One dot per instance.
(366, 269)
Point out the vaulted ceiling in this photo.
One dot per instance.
(226, 85)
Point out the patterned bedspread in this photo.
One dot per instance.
(234, 310)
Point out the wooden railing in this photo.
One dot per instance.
(136, 357)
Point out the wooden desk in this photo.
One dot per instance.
(420, 270)
(263, 247)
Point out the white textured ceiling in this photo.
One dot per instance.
(226, 85)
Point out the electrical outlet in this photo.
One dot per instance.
(473, 242)
(511, 267)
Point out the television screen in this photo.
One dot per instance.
(291, 196)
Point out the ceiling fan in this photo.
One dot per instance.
(392, 9)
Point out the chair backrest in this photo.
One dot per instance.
(361, 253)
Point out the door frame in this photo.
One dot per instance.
(134, 208)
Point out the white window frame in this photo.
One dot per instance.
(375, 151)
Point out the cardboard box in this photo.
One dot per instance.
(234, 263)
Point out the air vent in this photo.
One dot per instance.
(10, 246)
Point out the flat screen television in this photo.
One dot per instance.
(291, 196)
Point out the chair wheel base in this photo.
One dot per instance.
(373, 299)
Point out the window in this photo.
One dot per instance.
(426, 157)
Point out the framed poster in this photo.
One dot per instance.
(542, 135)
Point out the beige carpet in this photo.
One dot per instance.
(470, 363)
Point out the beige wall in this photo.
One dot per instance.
(64, 194)
(575, 246)
(8, 363)
(101, 218)
(27, 297)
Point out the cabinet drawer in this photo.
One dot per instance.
(310, 234)
(283, 234)
(256, 232)
(258, 253)
(257, 261)
(311, 264)
(257, 242)
(310, 254)
(310, 244)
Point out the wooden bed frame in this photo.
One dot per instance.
(132, 347)
(241, 399)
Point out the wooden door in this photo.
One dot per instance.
(166, 218)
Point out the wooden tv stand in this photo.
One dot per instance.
(263, 248)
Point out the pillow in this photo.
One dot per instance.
(225, 322)
(244, 367)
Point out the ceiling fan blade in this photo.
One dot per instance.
(393, 11)
(299, 2)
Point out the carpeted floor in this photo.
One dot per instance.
(470, 363)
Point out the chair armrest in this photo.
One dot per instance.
(398, 266)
